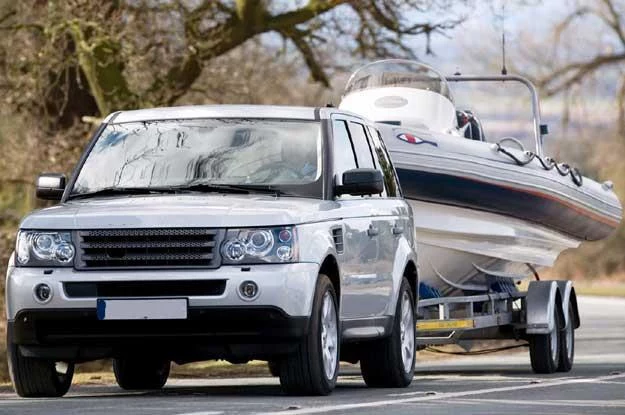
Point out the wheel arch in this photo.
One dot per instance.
(412, 275)
(569, 297)
(541, 299)
(330, 267)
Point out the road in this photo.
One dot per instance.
(495, 384)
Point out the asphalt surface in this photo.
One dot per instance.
(494, 384)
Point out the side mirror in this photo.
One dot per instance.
(360, 182)
(50, 186)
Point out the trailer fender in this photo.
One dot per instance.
(542, 297)
(569, 298)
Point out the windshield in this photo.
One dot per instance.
(398, 73)
(158, 154)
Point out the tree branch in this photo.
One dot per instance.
(316, 71)
(574, 73)
(615, 23)
(293, 18)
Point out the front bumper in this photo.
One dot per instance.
(286, 287)
(219, 325)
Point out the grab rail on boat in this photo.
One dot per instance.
(538, 132)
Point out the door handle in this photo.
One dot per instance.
(373, 231)
(398, 229)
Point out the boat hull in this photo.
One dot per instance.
(458, 244)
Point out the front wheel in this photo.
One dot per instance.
(135, 373)
(313, 368)
(38, 378)
(390, 362)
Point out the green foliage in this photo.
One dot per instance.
(602, 160)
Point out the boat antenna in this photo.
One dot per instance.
(504, 70)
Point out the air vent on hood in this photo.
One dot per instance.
(337, 235)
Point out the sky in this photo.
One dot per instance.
(474, 47)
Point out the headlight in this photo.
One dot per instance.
(259, 246)
(44, 248)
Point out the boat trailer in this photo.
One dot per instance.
(545, 316)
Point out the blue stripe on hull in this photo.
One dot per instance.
(472, 194)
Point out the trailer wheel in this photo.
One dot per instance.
(389, 362)
(545, 348)
(567, 344)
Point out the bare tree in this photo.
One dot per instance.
(77, 57)
(562, 74)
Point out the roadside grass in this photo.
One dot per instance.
(616, 289)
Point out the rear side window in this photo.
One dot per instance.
(344, 158)
(361, 146)
(390, 178)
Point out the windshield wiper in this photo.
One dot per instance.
(113, 191)
(192, 187)
(234, 188)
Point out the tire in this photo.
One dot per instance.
(135, 373)
(545, 348)
(313, 368)
(567, 344)
(390, 362)
(274, 367)
(38, 378)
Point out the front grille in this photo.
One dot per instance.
(112, 289)
(148, 248)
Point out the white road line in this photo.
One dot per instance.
(413, 393)
(577, 403)
(374, 404)
(202, 413)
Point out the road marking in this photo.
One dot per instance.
(202, 413)
(413, 393)
(374, 404)
(577, 403)
(609, 382)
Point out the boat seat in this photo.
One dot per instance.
(470, 125)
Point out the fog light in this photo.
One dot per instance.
(43, 293)
(248, 290)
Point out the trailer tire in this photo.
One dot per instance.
(545, 349)
(390, 362)
(567, 344)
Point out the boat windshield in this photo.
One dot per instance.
(398, 73)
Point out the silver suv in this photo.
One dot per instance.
(218, 232)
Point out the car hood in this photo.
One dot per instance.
(206, 210)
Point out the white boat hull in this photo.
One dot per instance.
(452, 241)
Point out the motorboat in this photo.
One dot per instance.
(488, 212)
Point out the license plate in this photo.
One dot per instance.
(145, 309)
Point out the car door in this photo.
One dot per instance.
(365, 283)
(400, 214)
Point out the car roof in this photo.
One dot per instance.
(226, 111)
(214, 111)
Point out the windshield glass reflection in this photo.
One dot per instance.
(216, 151)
